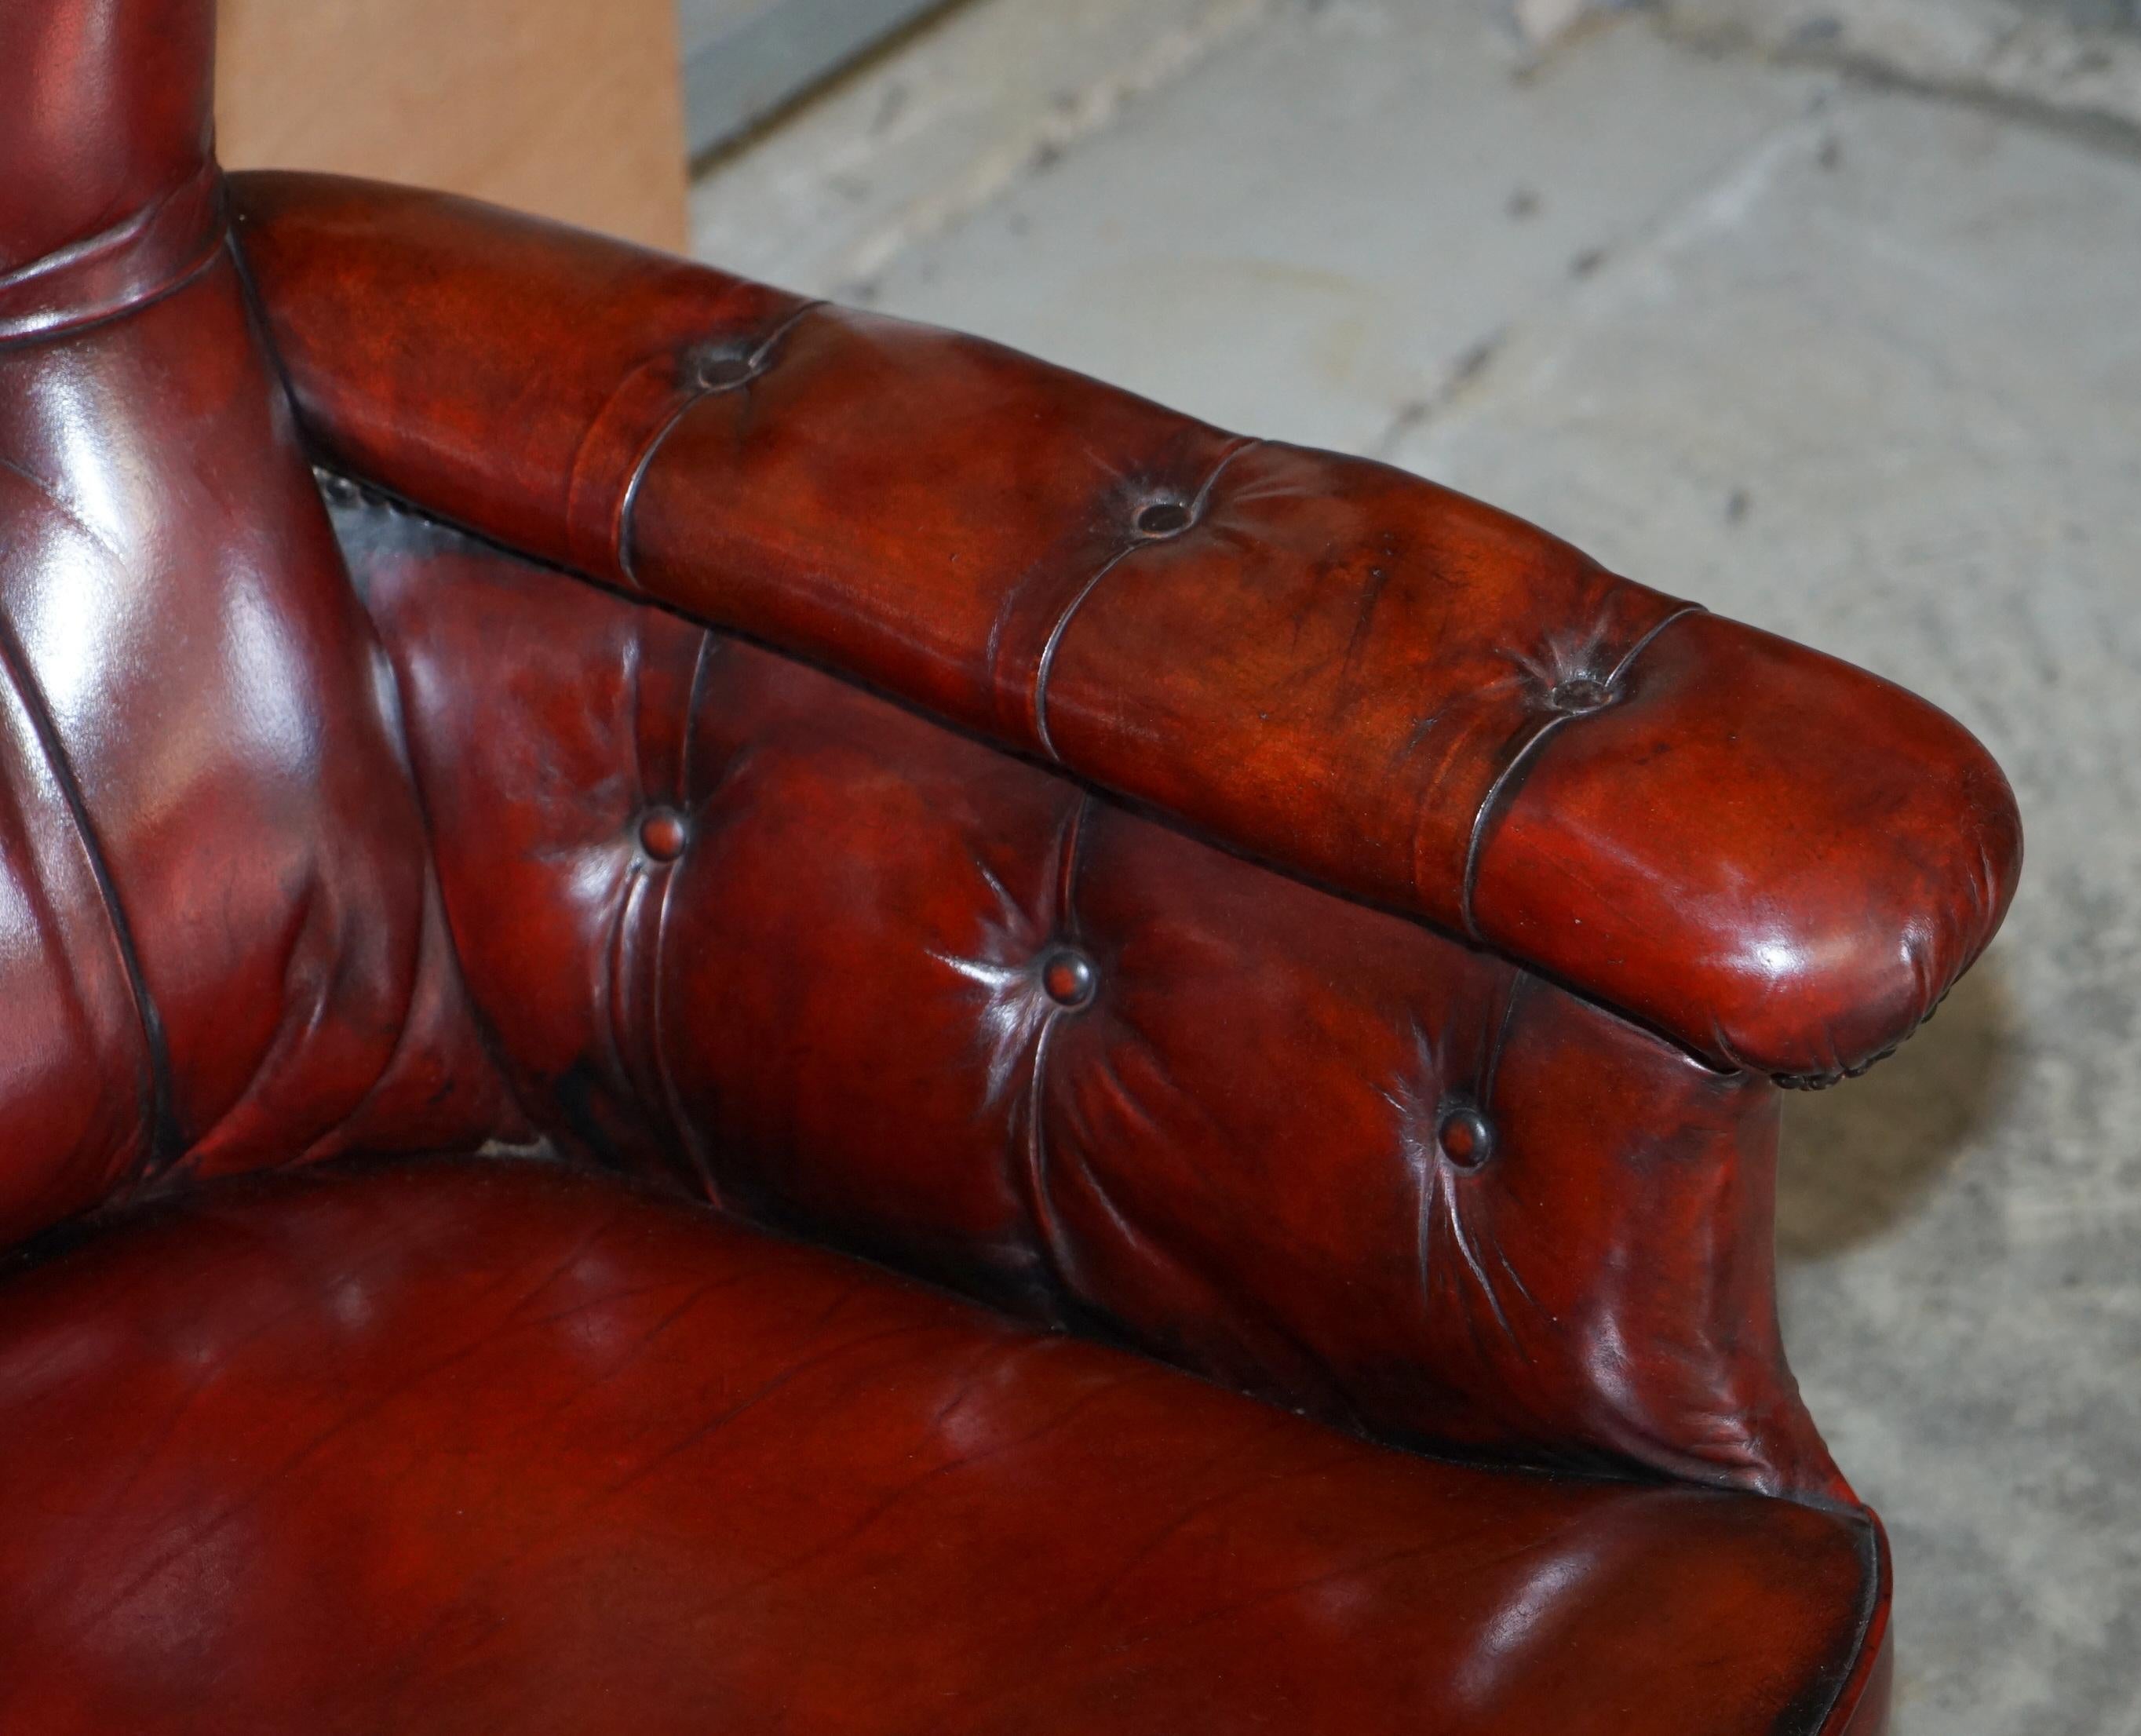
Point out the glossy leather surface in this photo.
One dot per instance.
(220, 939)
(1454, 1134)
(111, 195)
(1782, 862)
(454, 1447)
(883, 985)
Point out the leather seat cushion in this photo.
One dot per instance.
(472, 1445)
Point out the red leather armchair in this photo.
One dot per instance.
(538, 781)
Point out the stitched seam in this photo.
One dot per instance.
(1475, 845)
(628, 502)
(1046, 665)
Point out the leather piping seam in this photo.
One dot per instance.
(1871, 1631)
(1475, 846)
(91, 319)
(687, 1134)
(160, 1149)
(1046, 665)
(1040, 1211)
(628, 502)
(22, 329)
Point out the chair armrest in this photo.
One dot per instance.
(1779, 860)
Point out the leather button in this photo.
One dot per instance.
(1069, 977)
(716, 371)
(1162, 518)
(1466, 1137)
(1579, 694)
(663, 833)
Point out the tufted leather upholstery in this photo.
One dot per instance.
(1224, 1133)
(1777, 859)
(1238, 902)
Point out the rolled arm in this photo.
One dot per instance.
(1779, 860)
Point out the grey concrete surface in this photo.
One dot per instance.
(743, 59)
(2027, 54)
(1856, 357)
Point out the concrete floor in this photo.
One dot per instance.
(1851, 351)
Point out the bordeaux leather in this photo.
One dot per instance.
(222, 945)
(1361, 677)
(1225, 1134)
(688, 758)
(112, 195)
(482, 1446)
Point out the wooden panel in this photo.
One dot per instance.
(560, 106)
